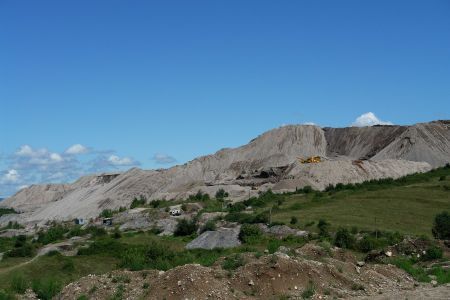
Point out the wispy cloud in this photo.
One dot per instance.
(369, 119)
(28, 165)
(163, 159)
(121, 161)
(10, 177)
(77, 149)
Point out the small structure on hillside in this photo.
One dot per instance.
(108, 221)
(175, 212)
(79, 221)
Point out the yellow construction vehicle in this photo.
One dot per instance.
(310, 160)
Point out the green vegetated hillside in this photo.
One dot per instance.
(407, 205)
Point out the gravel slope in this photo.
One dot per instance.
(269, 161)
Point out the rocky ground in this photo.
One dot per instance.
(287, 274)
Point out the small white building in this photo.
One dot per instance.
(175, 212)
(80, 221)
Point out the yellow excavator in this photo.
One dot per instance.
(310, 160)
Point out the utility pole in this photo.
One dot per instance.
(376, 229)
(270, 215)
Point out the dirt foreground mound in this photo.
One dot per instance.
(291, 274)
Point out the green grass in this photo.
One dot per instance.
(409, 208)
(419, 273)
(9, 262)
(56, 267)
(6, 244)
(408, 205)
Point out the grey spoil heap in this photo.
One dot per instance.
(274, 160)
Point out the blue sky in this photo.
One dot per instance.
(154, 83)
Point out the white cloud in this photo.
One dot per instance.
(25, 150)
(117, 161)
(28, 165)
(369, 119)
(11, 176)
(163, 159)
(309, 123)
(56, 157)
(76, 149)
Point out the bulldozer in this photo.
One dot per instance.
(310, 160)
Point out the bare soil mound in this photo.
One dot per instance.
(334, 273)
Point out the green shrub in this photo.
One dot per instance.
(367, 244)
(442, 178)
(46, 288)
(76, 231)
(309, 292)
(185, 227)
(53, 253)
(133, 259)
(209, 226)
(237, 207)
(103, 246)
(20, 241)
(344, 239)
(53, 234)
(118, 295)
(117, 234)
(82, 297)
(442, 275)
(307, 189)
(249, 232)
(264, 199)
(18, 283)
(13, 225)
(432, 253)
(261, 218)
(7, 211)
(233, 262)
(273, 245)
(239, 217)
(294, 220)
(138, 202)
(415, 271)
(323, 227)
(156, 203)
(106, 213)
(243, 218)
(121, 278)
(97, 231)
(27, 250)
(358, 287)
(160, 257)
(441, 227)
(221, 194)
(200, 196)
(155, 230)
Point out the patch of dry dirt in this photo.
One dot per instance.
(331, 274)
